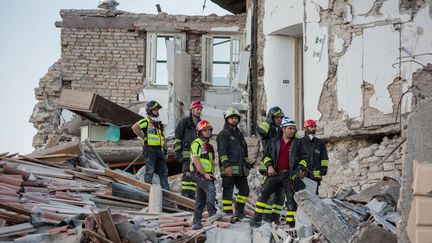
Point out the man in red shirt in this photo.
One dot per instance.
(285, 160)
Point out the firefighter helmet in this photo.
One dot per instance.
(309, 123)
(275, 111)
(152, 104)
(231, 112)
(286, 121)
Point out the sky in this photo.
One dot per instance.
(30, 44)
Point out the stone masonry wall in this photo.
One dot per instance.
(358, 164)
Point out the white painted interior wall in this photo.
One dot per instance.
(279, 53)
(279, 14)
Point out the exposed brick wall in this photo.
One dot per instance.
(108, 62)
(104, 52)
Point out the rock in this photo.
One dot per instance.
(376, 175)
(376, 168)
(389, 166)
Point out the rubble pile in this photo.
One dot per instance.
(58, 200)
(64, 193)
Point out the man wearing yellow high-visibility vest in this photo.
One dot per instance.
(202, 167)
(150, 130)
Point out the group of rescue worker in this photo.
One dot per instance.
(286, 159)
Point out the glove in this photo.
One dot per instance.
(323, 170)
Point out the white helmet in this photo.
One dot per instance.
(286, 121)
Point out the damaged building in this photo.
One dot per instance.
(360, 68)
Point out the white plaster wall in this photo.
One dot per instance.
(380, 50)
(279, 65)
(279, 14)
(315, 72)
(361, 7)
(349, 80)
(389, 12)
(416, 39)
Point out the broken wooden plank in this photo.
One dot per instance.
(10, 155)
(23, 157)
(85, 176)
(170, 196)
(117, 203)
(16, 209)
(14, 218)
(121, 199)
(108, 225)
(16, 229)
(324, 218)
(98, 236)
(3, 154)
(64, 148)
(60, 176)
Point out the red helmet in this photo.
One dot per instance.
(195, 104)
(203, 124)
(309, 123)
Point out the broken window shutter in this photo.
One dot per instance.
(234, 57)
(180, 42)
(151, 58)
(207, 59)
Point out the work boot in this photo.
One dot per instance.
(197, 226)
(215, 217)
(235, 219)
(255, 223)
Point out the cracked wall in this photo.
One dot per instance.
(365, 79)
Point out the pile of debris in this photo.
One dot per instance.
(368, 216)
(50, 196)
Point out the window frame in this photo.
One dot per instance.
(207, 58)
(151, 55)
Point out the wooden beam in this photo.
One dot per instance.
(108, 226)
(23, 157)
(16, 229)
(64, 148)
(98, 236)
(122, 199)
(60, 176)
(170, 196)
(16, 209)
(117, 203)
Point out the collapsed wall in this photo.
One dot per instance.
(104, 52)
